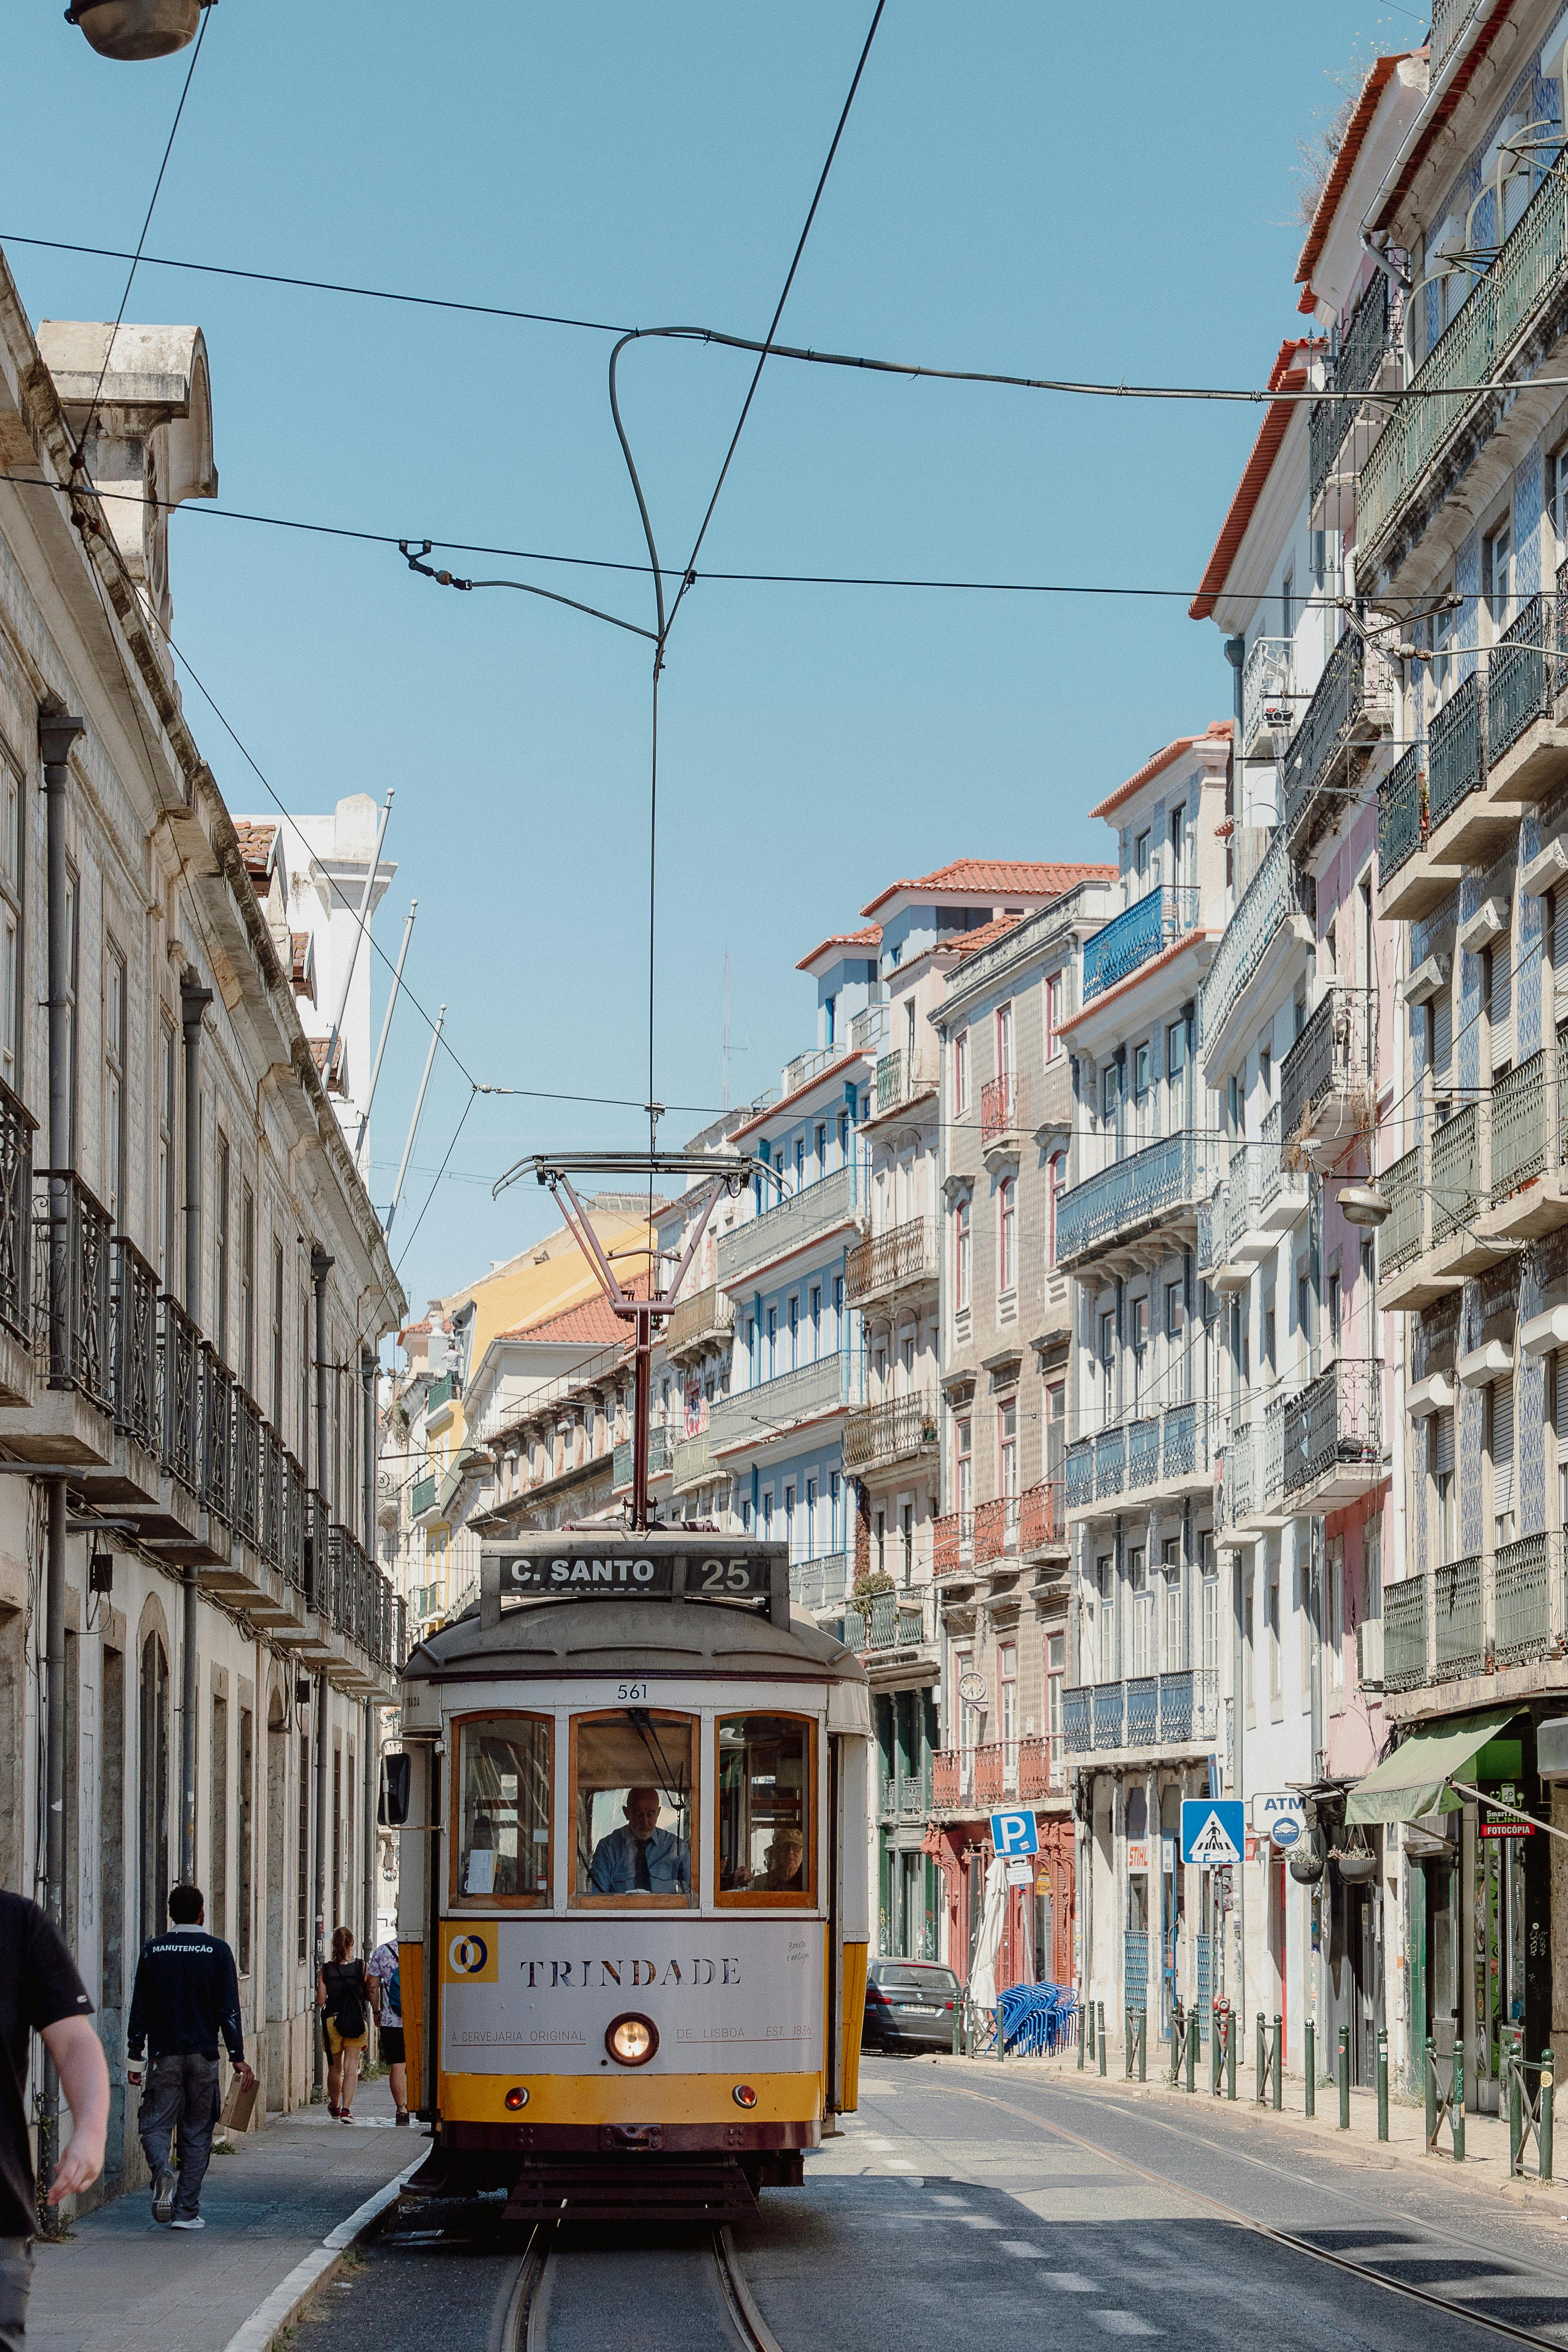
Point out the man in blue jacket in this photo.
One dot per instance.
(185, 1995)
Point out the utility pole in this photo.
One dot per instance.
(385, 1027)
(414, 1122)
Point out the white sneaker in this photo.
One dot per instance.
(189, 2222)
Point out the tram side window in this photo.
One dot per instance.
(503, 1815)
(633, 1774)
(765, 1846)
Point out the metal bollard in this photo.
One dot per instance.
(1216, 2055)
(1459, 2108)
(1142, 2045)
(1100, 2005)
(1279, 2064)
(1262, 2060)
(1311, 2041)
(1543, 2128)
(1088, 2012)
(1081, 2008)
(1431, 2095)
(1383, 2082)
(1345, 2078)
(1191, 2050)
(1515, 2108)
(1230, 2054)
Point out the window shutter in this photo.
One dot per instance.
(1502, 1001)
(1559, 1403)
(1502, 1445)
(1560, 947)
(1443, 1442)
(1443, 1031)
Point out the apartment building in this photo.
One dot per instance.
(196, 1644)
(1141, 1701)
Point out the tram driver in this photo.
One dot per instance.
(641, 1859)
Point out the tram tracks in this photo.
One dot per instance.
(521, 2321)
(1474, 2312)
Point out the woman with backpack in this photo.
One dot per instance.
(382, 1967)
(343, 1996)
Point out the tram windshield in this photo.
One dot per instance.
(764, 1806)
(503, 1841)
(632, 1776)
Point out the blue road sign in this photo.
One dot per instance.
(1015, 1834)
(1214, 1831)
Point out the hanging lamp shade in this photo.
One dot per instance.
(134, 30)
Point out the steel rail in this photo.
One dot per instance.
(522, 2309)
(749, 2324)
(1474, 2312)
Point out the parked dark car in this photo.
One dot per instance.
(909, 2006)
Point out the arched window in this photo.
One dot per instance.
(152, 1768)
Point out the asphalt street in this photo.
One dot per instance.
(963, 2205)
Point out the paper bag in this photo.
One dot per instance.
(240, 2103)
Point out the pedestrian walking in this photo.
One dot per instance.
(40, 1992)
(344, 1998)
(384, 1970)
(186, 1993)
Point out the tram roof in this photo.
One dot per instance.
(700, 1640)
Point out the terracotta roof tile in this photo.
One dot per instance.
(1288, 374)
(1216, 730)
(996, 928)
(871, 937)
(319, 1056)
(259, 848)
(593, 1324)
(302, 963)
(1333, 187)
(1037, 877)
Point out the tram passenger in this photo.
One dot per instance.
(782, 1860)
(641, 1859)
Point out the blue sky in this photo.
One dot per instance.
(1027, 187)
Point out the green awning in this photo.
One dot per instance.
(1410, 1782)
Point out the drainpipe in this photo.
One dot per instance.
(193, 1002)
(320, 1266)
(57, 732)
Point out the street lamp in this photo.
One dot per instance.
(1362, 1204)
(135, 29)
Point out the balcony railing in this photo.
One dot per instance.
(1456, 752)
(1172, 1710)
(953, 1543)
(810, 1064)
(1456, 1175)
(180, 1395)
(1400, 1242)
(702, 1321)
(1152, 1448)
(217, 1398)
(1500, 313)
(1522, 1589)
(1004, 1106)
(754, 1416)
(1459, 1618)
(1519, 1126)
(1040, 1520)
(1521, 677)
(905, 1253)
(692, 1464)
(661, 1448)
(807, 1216)
(900, 1077)
(1139, 932)
(16, 1129)
(821, 1584)
(1481, 1614)
(1042, 1765)
(1265, 705)
(1332, 1057)
(135, 1346)
(1078, 1473)
(1267, 903)
(868, 1030)
(1402, 815)
(1352, 702)
(895, 1621)
(1404, 1616)
(1360, 356)
(877, 1435)
(71, 1264)
(421, 1495)
(1335, 1422)
(907, 1793)
(1163, 1179)
(1450, 18)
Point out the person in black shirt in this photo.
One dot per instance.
(40, 1992)
(185, 1995)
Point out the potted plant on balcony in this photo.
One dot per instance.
(867, 1585)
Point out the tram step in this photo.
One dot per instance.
(631, 2188)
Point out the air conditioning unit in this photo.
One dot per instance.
(1369, 1654)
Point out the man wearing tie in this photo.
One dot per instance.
(641, 1859)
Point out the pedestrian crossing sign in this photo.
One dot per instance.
(1214, 1831)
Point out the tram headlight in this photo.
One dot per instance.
(744, 2095)
(517, 2098)
(631, 2040)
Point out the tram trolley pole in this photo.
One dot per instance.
(1383, 2082)
(1311, 2066)
(1344, 2075)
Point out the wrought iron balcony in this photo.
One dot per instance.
(1172, 1710)
(887, 1261)
(1275, 893)
(1138, 933)
(1325, 1079)
(808, 1065)
(1520, 1144)
(1078, 1474)
(1481, 1614)
(1521, 1600)
(1458, 1605)
(1402, 814)
(660, 1449)
(868, 1030)
(16, 1129)
(72, 1271)
(217, 1396)
(1450, 18)
(1401, 1240)
(422, 1494)
(1352, 704)
(821, 1584)
(877, 1435)
(1456, 752)
(1040, 1522)
(180, 1395)
(953, 1544)
(692, 1463)
(1266, 711)
(700, 1321)
(810, 1216)
(1490, 336)
(1404, 1618)
(1454, 1181)
(134, 1306)
(1154, 1449)
(895, 1621)
(901, 1078)
(1333, 1431)
(1368, 341)
(1164, 1181)
(1042, 1768)
(753, 1416)
(1521, 677)
(1003, 1108)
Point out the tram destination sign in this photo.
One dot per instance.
(660, 1564)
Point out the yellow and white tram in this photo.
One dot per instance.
(633, 1913)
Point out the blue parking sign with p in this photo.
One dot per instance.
(1015, 1834)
